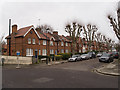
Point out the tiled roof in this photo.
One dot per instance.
(21, 31)
(41, 35)
(64, 38)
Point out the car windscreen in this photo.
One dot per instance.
(74, 56)
(105, 55)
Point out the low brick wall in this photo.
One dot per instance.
(13, 60)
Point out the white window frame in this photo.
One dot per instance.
(62, 50)
(39, 52)
(55, 52)
(44, 42)
(39, 42)
(55, 43)
(66, 44)
(43, 52)
(33, 41)
(51, 51)
(51, 43)
(29, 52)
(62, 44)
(66, 51)
(29, 40)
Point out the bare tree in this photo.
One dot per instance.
(89, 34)
(44, 28)
(1, 42)
(115, 23)
(99, 39)
(74, 30)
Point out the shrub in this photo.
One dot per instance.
(40, 57)
(65, 55)
(58, 57)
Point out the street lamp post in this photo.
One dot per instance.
(46, 46)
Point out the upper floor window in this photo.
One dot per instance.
(66, 44)
(51, 43)
(39, 42)
(33, 41)
(62, 44)
(69, 44)
(55, 43)
(29, 40)
(44, 42)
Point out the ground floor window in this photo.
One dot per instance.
(62, 51)
(66, 51)
(55, 52)
(44, 52)
(39, 52)
(51, 51)
(29, 52)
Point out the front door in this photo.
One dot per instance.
(36, 53)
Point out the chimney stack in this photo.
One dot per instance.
(55, 32)
(14, 28)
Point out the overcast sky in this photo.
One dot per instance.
(58, 14)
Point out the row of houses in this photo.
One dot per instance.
(29, 42)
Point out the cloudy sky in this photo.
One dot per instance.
(58, 14)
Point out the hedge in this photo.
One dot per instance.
(58, 57)
(65, 56)
(40, 56)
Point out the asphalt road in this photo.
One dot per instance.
(68, 75)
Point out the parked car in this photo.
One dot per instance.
(92, 54)
(73, 58)
(99, 54)
(115, 55)
(106, 57)
(85, 56)
(79, 58)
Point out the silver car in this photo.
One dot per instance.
(99, 54)
(73, 58)
(85, 56)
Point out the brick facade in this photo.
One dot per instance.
(19, 42)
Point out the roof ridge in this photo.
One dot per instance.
(26, 27)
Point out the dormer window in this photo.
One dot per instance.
(29, 40)
(51, 43)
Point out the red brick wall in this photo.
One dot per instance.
(21, 44)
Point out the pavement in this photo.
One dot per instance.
(110, 69)
(57, 62)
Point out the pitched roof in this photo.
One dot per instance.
(41, 35)
(21, 31)
(64, 38)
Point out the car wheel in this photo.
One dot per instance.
(75, 60)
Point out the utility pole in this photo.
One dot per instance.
(10, 37)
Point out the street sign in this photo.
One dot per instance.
(18, 53)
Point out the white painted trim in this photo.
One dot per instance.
(29, 31)
(53, 38)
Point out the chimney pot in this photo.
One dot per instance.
(55, 32)
(14, 28)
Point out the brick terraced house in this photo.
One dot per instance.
(29, 42)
